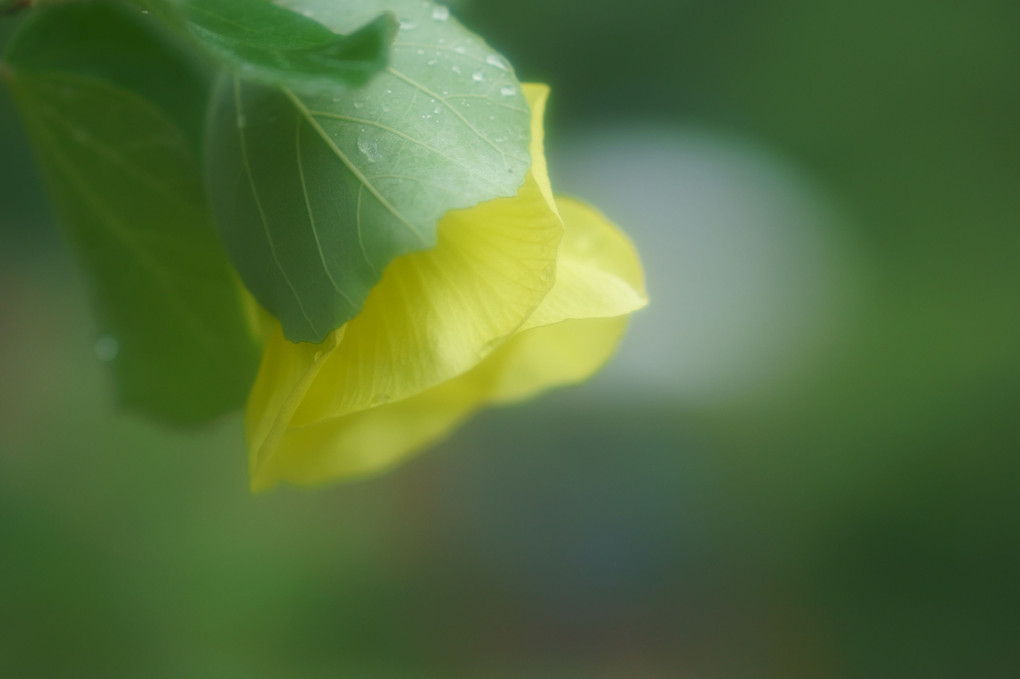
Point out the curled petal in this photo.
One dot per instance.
(568, 337)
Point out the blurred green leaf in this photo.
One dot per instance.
(126, 182)
(315, 194)
(272, 45)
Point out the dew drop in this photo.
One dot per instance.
(437, 110)
(431, 62)
(441, 13)
(508, 90)
(456, 69)
(497, 61)
(460, 49)
(369, 148)
(380, 399)
(107, 348)
(406, 24)
(478, 76)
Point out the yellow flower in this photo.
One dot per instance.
(519, 295)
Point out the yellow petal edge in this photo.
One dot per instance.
(519, 295)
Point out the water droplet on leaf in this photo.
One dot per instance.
(369, 148)
(497, 61)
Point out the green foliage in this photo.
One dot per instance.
(272, 45)
(310, 137)
(315, 193)
(119, 154)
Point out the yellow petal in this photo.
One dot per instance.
(537, 95)
(434, 315)
(598, 273)
(373, 440)
(599, 276)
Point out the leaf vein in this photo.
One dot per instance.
(435, 95)
(300, 105)
(311, 216)
(258, 202)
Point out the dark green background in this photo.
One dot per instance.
(860, 520)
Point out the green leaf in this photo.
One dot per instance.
(126, 183)
(315, 194)
(275, 46)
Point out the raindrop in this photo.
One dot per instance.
(441, 13)
(380, 399)
(460, 49)
(406, 24)
(478, 76)
(107, 348)
(508, 90)
(369, 148)
(497, 61)
(431, 62)
(437, 110)
(456, 69)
